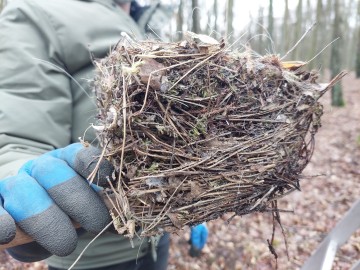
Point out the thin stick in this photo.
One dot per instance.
(88, 245)
(322, 50)
(194, 67)
(297, 43)
(148, 84)
(168, 201)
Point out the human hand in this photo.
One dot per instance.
(198, 239)
(48, 191)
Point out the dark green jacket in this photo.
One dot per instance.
(45, 99)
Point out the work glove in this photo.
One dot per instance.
(198, 239)
(49, 191)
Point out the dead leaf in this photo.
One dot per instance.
(200, 39)
(175, 220)
(302, 107)
(174, 181)
(151, 69)
(131, 171)
(292, 65)
(196, 190)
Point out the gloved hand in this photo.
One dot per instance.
(48, 191)
(198, 239)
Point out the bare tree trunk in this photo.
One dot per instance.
(308, 19)
(326, 38)
(195, 17)
(347, 30)
(308, 15)
(215, 11)
(180, 21)
(315, 34)
(2, 4)
(229, 20)
(335, 61)
(298, 29)
(285, 29)
(259, 48)
(208, 23)
(250, 32)
(357, 64)
(270, 27)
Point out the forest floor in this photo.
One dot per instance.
(330, 186)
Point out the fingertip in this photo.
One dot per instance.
(53, 230)
(87, 161)
(84, 160)
(78, 200)
(8, 227)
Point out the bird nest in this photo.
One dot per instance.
(195, 129)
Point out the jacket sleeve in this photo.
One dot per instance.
(35, 94)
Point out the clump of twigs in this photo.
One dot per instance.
(195, 130)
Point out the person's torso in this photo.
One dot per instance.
(87, 30)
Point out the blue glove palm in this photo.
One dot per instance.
(198, 239)
(50, 190)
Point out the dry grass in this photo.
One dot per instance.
(196, 130)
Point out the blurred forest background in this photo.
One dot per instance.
(269, 26)
(330, 183)
(282, 27)
(324, 33)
